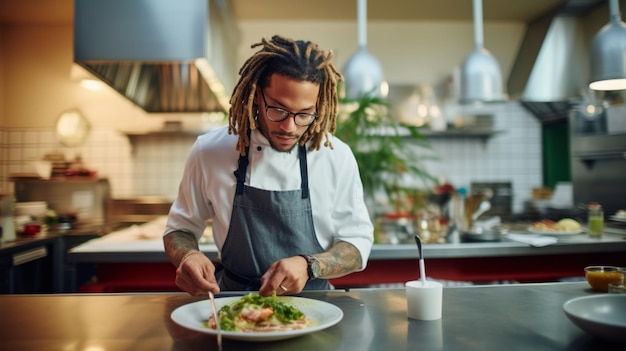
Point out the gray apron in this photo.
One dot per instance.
(266, 226)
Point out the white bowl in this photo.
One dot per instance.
(599, 315)
(37, 209)
(41, 169)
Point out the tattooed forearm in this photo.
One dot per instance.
(341, 259)
(177, 244)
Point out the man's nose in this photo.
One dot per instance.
(289, 123)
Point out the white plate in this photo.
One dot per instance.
(553, 232)
(618, 218)
(321, 314)
(599, 315)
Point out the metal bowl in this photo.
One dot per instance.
(478, 235)
(599, 315)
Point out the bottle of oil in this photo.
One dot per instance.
(595, 219)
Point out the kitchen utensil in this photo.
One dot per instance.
(424, 300)
(217, 321)
(421, 257)
(482, 208)
(479, 235)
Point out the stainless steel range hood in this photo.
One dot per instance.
(550, 73)
(163, 55)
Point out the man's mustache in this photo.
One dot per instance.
(289, 135)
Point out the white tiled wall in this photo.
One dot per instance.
(153, 165)
(149, 166)
(513, 155)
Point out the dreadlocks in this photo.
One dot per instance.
(302, 60)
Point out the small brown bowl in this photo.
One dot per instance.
(599, 277)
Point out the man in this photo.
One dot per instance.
(288, 214)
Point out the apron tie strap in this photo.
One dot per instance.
(240, 173)
(304, 174)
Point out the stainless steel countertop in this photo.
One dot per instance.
(580, 243)
(98, 251)
(512, 317)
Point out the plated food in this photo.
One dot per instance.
(563, 226)
(320, 315)
(256, 313)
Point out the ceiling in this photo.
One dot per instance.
(62, 11)
(392, 9)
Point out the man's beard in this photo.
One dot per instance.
(280, 150)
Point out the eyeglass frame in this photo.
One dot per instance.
(289, 113)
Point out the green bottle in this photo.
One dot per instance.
(595, 219)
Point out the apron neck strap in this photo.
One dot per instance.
(304, 173)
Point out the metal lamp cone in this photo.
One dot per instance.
(608, 54)
(481, 80)
(363, 73)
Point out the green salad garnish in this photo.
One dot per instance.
(229, 314)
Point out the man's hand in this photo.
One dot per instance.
(285, 277)
(196, 275)
(289, 275)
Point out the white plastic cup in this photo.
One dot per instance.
(424, 300)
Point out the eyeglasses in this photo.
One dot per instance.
(277, 114)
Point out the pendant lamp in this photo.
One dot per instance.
(481, 80)
(608, 53)
(362, 73)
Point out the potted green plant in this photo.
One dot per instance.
(386, 153)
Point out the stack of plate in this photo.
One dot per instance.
(36, 210)
(619, 216)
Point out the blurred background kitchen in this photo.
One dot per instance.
(419, 44)
(59, 124)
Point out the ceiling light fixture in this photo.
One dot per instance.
(363, 73)
(481, 80)
(608, 53)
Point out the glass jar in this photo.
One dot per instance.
(595, 219)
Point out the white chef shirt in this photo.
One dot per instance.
(207, 188)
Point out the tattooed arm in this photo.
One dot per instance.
(195, 273)
(290, 275)
(341, 259)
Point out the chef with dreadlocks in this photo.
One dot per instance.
(284, 194)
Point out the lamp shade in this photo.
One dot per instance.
(608, 54)
(363, 75)
(481, 80)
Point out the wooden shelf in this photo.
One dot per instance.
(461, 133)
(135, 134)
(475, 133)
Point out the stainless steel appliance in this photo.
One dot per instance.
(598, 157)
(164, 56)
